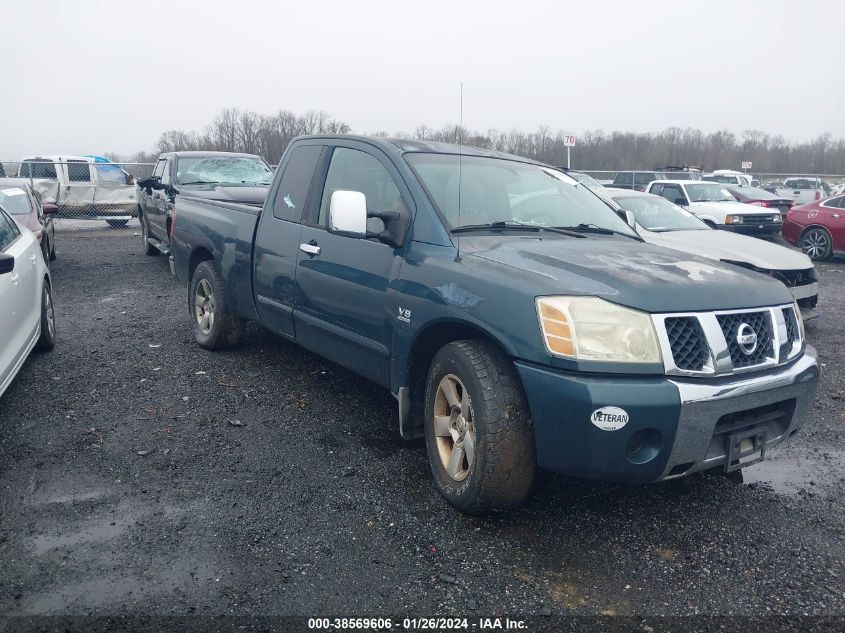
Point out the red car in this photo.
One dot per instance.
(23, 203)
(818, 227)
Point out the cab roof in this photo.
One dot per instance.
(407, 146)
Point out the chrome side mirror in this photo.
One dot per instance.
(631, 219)
(348, 213)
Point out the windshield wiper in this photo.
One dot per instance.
(200, 182)
(595, 228)
(519, 226)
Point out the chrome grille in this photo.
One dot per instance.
(689, 346)
(761, 324)
(707, 343)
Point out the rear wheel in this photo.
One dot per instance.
(148, 248)
(47, 339)
(477, 428)
(214, 326)
(817, 244)
(117, 223)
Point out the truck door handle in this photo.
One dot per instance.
(311, 248)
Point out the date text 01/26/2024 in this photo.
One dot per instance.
(416, 624)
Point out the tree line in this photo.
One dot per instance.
(235, 130)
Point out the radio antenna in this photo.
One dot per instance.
(460, 157)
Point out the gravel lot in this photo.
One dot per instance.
(140, 474)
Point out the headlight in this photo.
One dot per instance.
(733, 219)
(589, 328)
(800, 320)
(777, 218)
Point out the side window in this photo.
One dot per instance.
(296, 180)
(8, 231)
(354, 170)
(657, 190)
(674, 194)
(78, 171)
(38, 169)
(167, 167)
(159, 168)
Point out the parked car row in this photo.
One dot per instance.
(27, 318)
(519, 319)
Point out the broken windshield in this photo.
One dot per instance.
(216, 169)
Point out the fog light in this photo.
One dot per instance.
(643, 446)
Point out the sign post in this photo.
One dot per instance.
(569, 143)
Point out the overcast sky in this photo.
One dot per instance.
(89, 77)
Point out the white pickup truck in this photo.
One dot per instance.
(84, 187)
(716, 207)
(802, 189)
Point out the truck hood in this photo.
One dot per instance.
(635, 274)
(733, 247)
(226, 192)
(729, 208)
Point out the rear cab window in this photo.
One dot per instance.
(297, 175)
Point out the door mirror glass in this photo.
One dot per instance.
(7, 263)
(631, 219)
(348, 213)
(49, 209)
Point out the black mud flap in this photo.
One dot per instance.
(745, 448)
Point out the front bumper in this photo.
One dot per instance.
(754, 229)
(675, 426)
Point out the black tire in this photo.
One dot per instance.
(712, 225)
(52, 251)
(45, 251)
(47, 339)
(117, 223)
(148, 248)
(502, 469)
(223, 329)
(817, 244)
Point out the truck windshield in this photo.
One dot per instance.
(707, 192)
(216, 169)
(657, 214)
(473, 191)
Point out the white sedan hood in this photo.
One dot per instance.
(728, 246)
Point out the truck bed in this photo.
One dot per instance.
(205, 227)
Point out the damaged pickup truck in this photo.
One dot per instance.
(517, 319)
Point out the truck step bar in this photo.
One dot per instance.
(163, 248)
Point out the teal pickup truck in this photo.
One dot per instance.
(516, 317)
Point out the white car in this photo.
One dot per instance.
(27, 319)
(728, 177)
(86, 187)
(712, 203)
(660, 222)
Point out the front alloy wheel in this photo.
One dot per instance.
(204, 307)
(453, 427)
(816, 244)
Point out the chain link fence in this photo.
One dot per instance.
(89, 192)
